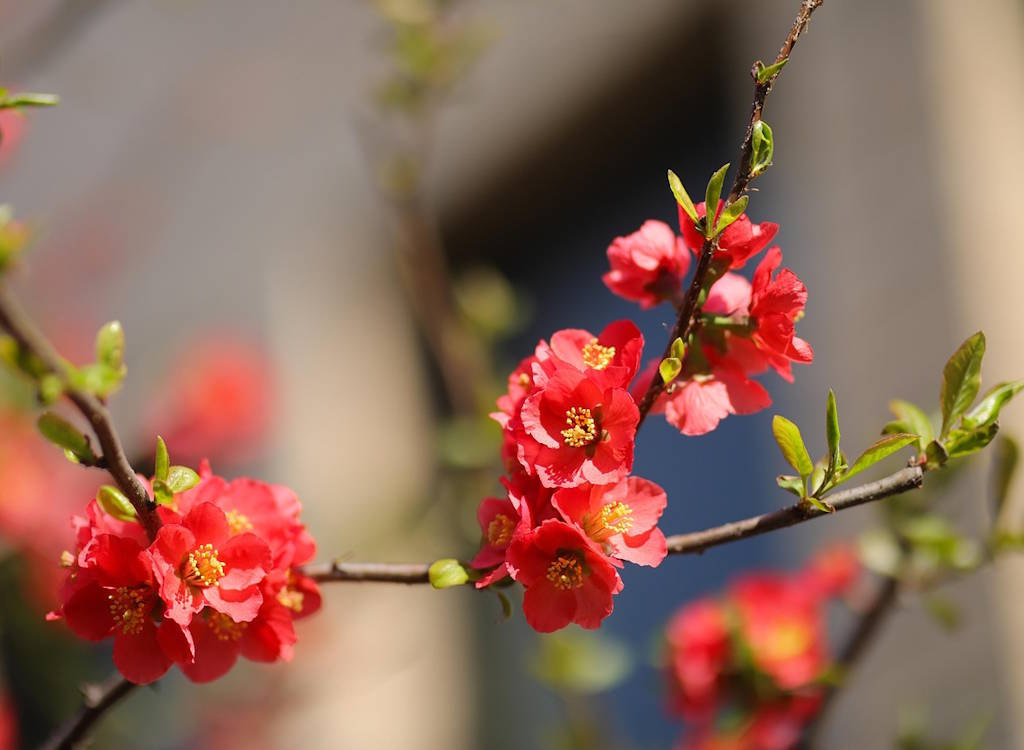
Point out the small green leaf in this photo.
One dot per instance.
(790, 483)
(880, 450)
(163, 460)
(965, 442)
(787, 435)
(28, 99)
(711, 199)
(936, 454)
(678, 349)
(820, 504)
(181, 478)
(114, 503)
(65, 435)
(832, 435)
(506, 605)
(110, 346)
(98, 379)
(446, 573)
(961, 378)
(731, 212)
(51, 388)
(1005, 461)
(682, 197)
(762, 147)
(987, 410)
(817, 483)
(765, 72)
(669, 368)
(162, 493)
(913, 420)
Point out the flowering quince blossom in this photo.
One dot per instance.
(771, 623)
(740, 241)
(567, 578)
(220, 580)
(610, 359)
(647, 266)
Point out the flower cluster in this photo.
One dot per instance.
(220, 580)
(756, 656)
(572, 513)
(746, 327)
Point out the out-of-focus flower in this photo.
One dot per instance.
(12, 127)
(740, 241)
(647, 266)
(8, 723)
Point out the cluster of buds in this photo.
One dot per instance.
(221, 578)
(747, 670)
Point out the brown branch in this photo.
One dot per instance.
(690, 309)
(30, 339)
(98, 699)
(368, 572)
(902, 481)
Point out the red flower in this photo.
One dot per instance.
(699, 646)
(739, 242)
(566, 577)
(621, 518)
(12, 124)
(833, 571)
(776, 304)
(648, 265)
(498, 519)
(575, 431)
(111, 592)
(697, 405)
(520, 385)
(610, 359)
(198, 563)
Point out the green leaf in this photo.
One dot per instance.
(936, 454)
(711, 198)
(790, 483)
(51, 388)
(832, 435)
(181, 478)
(163, 460)
(787, 435)
(913, 420)
(98, 379)
(162, 493)
(446, 573)
(965, 442)
(765, 72)
(987, 410)
(731, 212)
(961, 378)
(110, 346)
(669, 368)
(65, 435)
(678, 349)
(817, 483)
(114, 503)
(506, 605)
(880, 450)
(682, 197)
(28, 99)
(1005, 461)
(819, 504)
(762, 148)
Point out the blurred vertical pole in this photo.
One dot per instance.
(975, 78)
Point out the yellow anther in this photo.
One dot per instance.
(597, 357)
(613, 518)
(582, 427)
(787, 640)
(225, 628)
(525, 380)
(565, 572)
(291, 598)
(238, 523)
(128, 608)
(202, 568)
(67, 560)
(499, 531)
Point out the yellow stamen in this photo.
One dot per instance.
(613, 518)
(291, 598)
(202, 568)
(127, 607)
(524, 380)
(565, 572)
(225, 628)
(582, 427)
(238, 523)
(786, 641)
(499, 531)
(597, 357)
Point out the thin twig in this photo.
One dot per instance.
(689, 310)
(98, 699)
(368, 572)
(23, 330)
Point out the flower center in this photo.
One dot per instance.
(582, 429)
(225, 628)
(237, 522)
(202, 568)
(596, 356)
(499, 531)
(787, 640)
(291, 599)
(613, 518)
(128, 608)
(524, 380)
(566, 572)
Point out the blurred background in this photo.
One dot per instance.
(273, 197)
